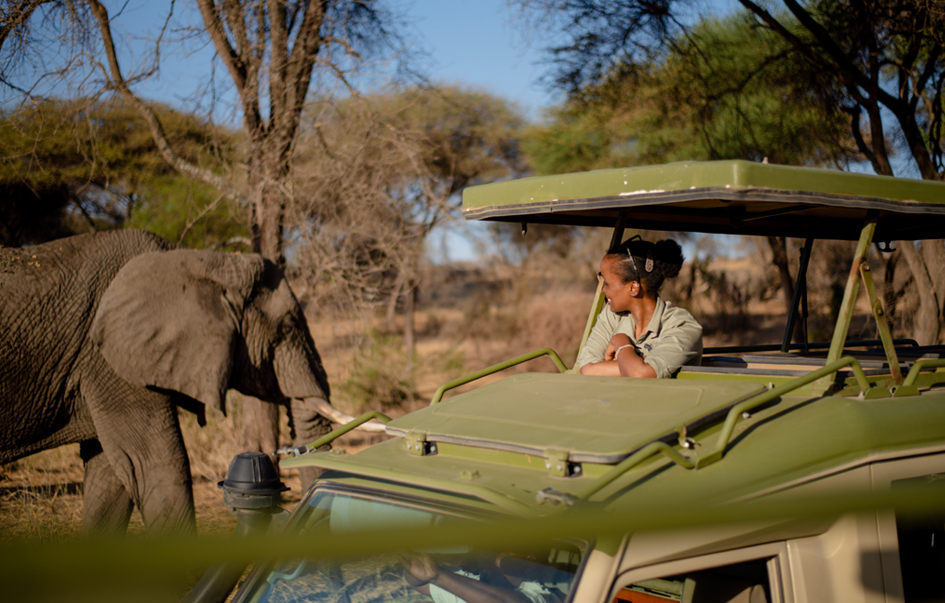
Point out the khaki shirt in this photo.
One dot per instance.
(673, 338)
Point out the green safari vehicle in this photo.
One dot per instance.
(756, 427)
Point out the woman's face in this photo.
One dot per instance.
(618, 292)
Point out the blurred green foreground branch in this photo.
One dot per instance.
(160, 569)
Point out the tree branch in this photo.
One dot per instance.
(242, 71)
(308, 44)
(930, 68)
(15, 17)
(854, 112)
(278, 64)
(154, 124)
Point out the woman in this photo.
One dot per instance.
(638, 334)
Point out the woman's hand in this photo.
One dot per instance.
(618, 340)
(630, 364)
(625, 364)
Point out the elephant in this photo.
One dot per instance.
(104, 335)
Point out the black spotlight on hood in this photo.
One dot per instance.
(252, 482)
(251, 492)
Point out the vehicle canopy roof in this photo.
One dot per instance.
(723, 197)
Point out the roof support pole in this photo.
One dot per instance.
(852, 289)
(861, 271)
(860, 260)
(800, 289)
(876, 306)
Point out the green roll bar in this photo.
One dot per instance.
(910, 385)
(495, 368)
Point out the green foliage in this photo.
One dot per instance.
(571, 141)
(468, 136)
(381, 375)
(70, 166)
(188, 212)
(728, 90)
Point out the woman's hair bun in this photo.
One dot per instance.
(668, 253)
(648, 263)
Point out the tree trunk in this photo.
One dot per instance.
(268, 206)
(391, 314)
(410, 298)
(779, 257)
(890, 297)
(261, 419)
(928, 322)
(933, 251)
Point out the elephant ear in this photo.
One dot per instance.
(170, 320)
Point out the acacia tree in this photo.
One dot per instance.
(74, 166)
(727, 90)
(878, 58)
(378, 173)
(887, 56)
(270, 50)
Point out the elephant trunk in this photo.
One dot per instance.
(324, 408)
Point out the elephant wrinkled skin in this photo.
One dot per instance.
(103, 335)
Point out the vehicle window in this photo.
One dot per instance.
(739, 583)
(922, 552)
(472, 575)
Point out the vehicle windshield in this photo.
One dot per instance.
(472, 575)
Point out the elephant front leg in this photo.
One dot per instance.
(106, 504)
(141, 438)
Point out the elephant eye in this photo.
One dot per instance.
(287, 328)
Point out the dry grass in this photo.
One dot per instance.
(41, 495)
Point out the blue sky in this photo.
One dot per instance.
(468, 42)
(474, 42)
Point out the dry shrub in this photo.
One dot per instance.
(553, 319)
(41, 496)
(721, 296)
(827, 277)
(381, 375)
(900, 294)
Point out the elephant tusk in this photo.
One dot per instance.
(328, 411)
